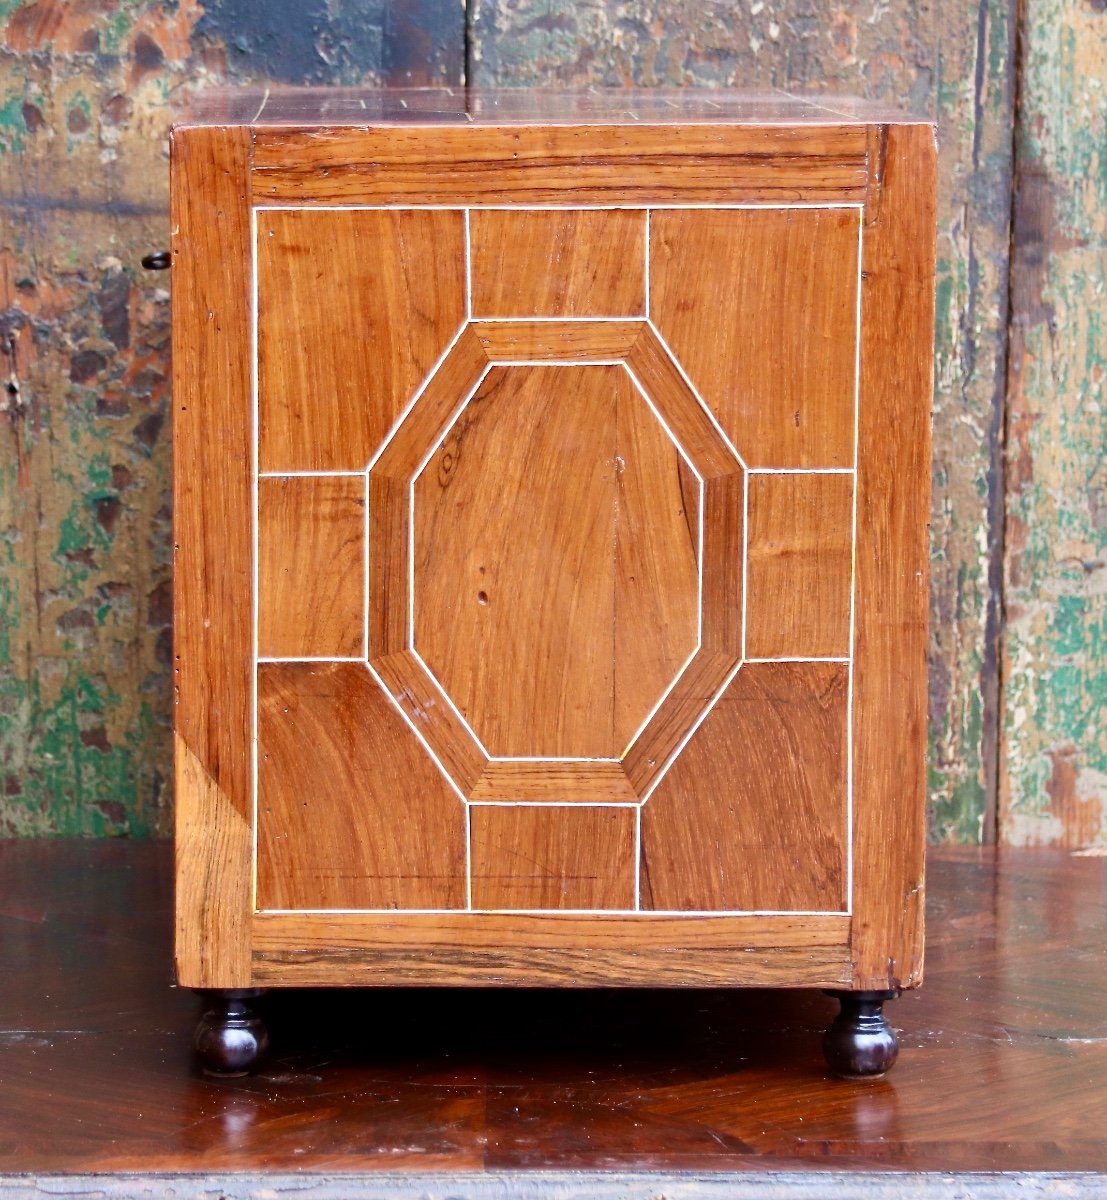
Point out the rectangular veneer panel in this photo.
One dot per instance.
(552, 858)
(583, 263)
(351, 812)
(311, 566)
(568, 165)
(752, 814)
(760, 307)
(800, 563)
(354, 308)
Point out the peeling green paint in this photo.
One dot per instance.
(1055, 648)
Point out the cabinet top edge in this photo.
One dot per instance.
(358, 107)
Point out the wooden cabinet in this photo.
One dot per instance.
(551, 484)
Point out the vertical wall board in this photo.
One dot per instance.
(85, 93)
(953, 60)
(1054, 784)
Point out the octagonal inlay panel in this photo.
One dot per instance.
(556, 538)
(556, 545)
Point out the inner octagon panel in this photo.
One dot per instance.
(555, 543)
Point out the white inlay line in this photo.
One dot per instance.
(442, 691)
(783, 658)
(570, 804)
(468, 856)
(418, 393)
(255, 599)
(556, 362)
(695, 392)
(309, 658)
(422, 740)
(636, 805)
(365, 569)
(549, 758)
(447, 426)
(646, 276)
(468, 269)
(678, 749)
(645, 913)
(800, 470)
(637, 858)
(858, 205)
(853, 562)
(745, 554)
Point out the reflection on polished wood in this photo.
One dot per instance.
(1003, 1061)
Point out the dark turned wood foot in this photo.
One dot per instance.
(860, 1043)
(230, 1039)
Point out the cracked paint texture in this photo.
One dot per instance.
(1054, 783)
(85, 520)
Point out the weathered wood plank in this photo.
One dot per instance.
(1054, 733)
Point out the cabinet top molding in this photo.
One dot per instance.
(360, 107)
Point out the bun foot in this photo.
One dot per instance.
(860, 1044)
(230, 1039)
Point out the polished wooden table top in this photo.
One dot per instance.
(1003, 1065)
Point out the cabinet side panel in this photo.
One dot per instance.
(890, 600)
(213, 555)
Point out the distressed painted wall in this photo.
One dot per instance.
(84, 461)
(1054, 785)
(84, 533)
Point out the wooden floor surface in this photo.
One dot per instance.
(1003, 1065)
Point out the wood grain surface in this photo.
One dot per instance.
(562, 165)
(800, 562)
(775, 361)
(550, 535)
(311, 566)
(549, 949)
(892, 560)
(752, 815)
(513, 341)
(551, 858)
(583, 263)
(213, 556)
(351, 812)
(354, 308)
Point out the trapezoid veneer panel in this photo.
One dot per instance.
(354, 308)
(752, 814)
(311, 566)
(800, 565)
(553, 857)
(760, 307)
(558, 263)
(351, 812)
